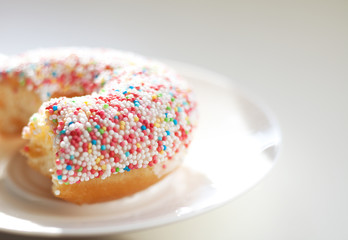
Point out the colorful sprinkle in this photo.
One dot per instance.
(140, 116)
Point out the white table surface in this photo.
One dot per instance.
(291, 54)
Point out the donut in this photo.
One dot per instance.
(103, 124)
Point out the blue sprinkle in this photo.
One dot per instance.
(168, 133)
(62, 132)
(54, 74)
(164, 147)
(102, 147)
(175, 122)
(48, 94)
(136, 103)
(72, 157)
(59, 177)
(127, 154)
(117, 90)
(160, 138)
(70, 123)
(131, 87)
(97, 126)
(116, 117)
(166, 114)
(69, 167)
(127, 169)
(179, 109)
(94, 142)
(125, 92)
(143, 127)
(55, 108)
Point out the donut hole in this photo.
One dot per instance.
(17, 104)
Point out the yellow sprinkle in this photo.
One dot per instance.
(101, 156)
(158, 120)
(162, 152)
(97, 160)
(118, 113)
(122, 127)
(162, 119)
(138, 145)
(90, 151)
(136, 119)
(89, 145)
(86, 103)
(104, 128)
(122, 123)
(154, 96)
(95, 167)
(157, 125)
(104, 167)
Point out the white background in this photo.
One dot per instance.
(291, 54)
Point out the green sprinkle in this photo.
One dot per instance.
(66, 183)
(159, 95)
(101, 131)
(171, 119)
(117, 169)
(54, 120)
(166, 119)
(22, 82)
(173, 99)
(168, 108)
(106, 106)
(80, 169)
(89, 129)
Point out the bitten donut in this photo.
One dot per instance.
(110, 123)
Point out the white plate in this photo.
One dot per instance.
(235, 145)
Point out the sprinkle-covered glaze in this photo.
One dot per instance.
(139, 113)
